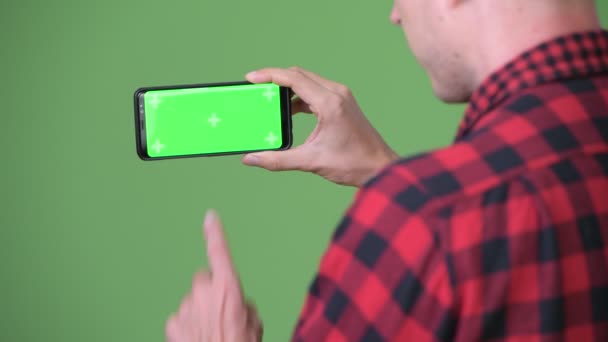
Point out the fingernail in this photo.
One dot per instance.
(251, 159)
(210, 217)
(252, 74)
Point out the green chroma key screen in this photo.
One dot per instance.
(208, 120)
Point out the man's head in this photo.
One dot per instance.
(459, 42)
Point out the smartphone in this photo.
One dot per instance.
(211, 119)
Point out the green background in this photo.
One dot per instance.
(97, 245)
(180, 122)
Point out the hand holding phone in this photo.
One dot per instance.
(211, 119)
(344, 147)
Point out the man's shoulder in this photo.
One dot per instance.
(434, 177)
(564, 95)
(530, 130)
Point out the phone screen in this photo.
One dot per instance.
(212, 120)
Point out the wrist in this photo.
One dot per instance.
(378, 164)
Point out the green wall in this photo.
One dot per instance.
(97, 245)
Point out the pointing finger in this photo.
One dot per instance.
(307, 89)
(220, 260)
(330, 85)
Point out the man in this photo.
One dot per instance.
(500, 237)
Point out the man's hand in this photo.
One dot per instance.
(344, 147)
(215, 311)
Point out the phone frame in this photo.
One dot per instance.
(140, 123)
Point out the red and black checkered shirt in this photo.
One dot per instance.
(502, 236)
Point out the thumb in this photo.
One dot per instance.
(294, 159)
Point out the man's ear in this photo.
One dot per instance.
(394, 16)
(447, 7)
(454, 3)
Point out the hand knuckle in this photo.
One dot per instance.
(329, 100)
(183, 305)
(171, 328)
(197, 289)
(312, 165)
(200, 277)
(343, 90)
(295, 76)
(274, 164)
(334, 103)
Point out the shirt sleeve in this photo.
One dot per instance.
(382, 278)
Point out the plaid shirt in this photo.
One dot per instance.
(502, 236)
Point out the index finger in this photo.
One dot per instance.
(218, 253)
(306, 88)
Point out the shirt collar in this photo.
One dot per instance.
(573, 56)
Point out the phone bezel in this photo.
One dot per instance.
(141, 144)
